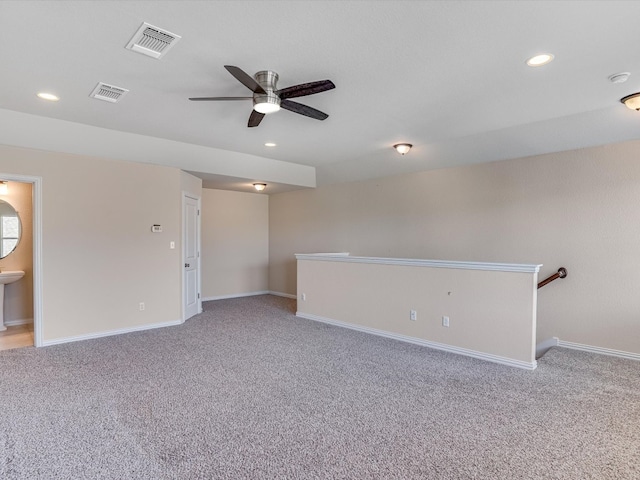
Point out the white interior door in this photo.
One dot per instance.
(191, 255)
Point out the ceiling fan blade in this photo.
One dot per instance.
(245, 79)
(305, 110)
(305, 89)
(208, 99)
(255, 118)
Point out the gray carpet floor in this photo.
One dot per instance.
(246, 390)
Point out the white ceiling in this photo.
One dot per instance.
(448, 77)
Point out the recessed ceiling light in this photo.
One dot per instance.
(540, 60)
(269, 144)
(48, 96)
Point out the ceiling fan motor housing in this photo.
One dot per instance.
(269, 102)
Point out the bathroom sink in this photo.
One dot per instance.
(10, 276)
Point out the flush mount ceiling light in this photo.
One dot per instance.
(632, 101)
(48, 96)
(4, 187)
(269, 144)
(402, 148)
(540, 60)
(260, 186)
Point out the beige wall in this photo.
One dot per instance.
(99, 257)
(18, 296)
(190, 184)
(235, 243)
(577, 209)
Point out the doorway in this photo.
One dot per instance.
(22, 239)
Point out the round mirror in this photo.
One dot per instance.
(10, 229)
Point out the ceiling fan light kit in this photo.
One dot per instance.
(632, 101)
(268, 99)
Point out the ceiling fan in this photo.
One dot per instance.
(268, 99)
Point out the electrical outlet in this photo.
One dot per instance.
(304, 297)
(445, 321)
(141, 306)
(413, 315)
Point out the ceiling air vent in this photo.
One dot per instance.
(152, 41)
(108, 93)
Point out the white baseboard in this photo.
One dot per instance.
(425, 343)
(235, 295)
(20, 321)
(545, 345)
(600, 350)
(281, 294)
(250, 294)
(110, 333)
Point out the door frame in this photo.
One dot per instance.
(182, 253)
(36, 206)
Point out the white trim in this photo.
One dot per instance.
(425, 343)
(600, 350)
(235, 295)
(110, 333)
(499, 267)
(545, 345)
(199, 221)
(282, 294)
(20, 321)
(249, 294)
(38, 312)
(336, 254)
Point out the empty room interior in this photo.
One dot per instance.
(318, 239)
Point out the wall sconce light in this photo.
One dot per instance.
(402, 148)
(260, 186)
(632, 101)
(4, 187)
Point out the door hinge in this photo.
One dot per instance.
(198, 295)
(198, 211)
(198, 254)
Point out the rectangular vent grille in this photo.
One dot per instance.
(108, 93)
(152, 41)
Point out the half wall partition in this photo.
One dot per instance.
(483, 310)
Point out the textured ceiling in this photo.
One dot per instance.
(448, 77)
